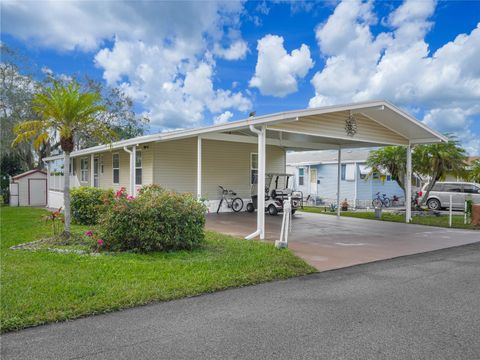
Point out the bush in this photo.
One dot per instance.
(88, 202)
(154, 221)
(150, 190)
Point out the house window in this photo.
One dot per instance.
(138, 168)
(301, 176)
(343, 171)
(84, 169)
(116, 168)
(72, 166)
(253, 168)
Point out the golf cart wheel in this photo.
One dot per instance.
(433, 204)
(272, 210)
(237, 204)
(377, 203)
(250, 208)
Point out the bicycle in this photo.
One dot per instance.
(379, 202)
(234, 203)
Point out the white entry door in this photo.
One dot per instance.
(313, 181)
(37, 192)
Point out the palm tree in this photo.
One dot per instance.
(474, 171)
(390, 158)
(436, 161)
(67, 112)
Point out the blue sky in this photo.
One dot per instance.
(195, 63)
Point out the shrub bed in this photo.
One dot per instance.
(87, 203)
(155, 220)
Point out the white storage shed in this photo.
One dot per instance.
(29, 189)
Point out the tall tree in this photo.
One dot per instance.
(436, 161)
(64, 111)
(17, 89)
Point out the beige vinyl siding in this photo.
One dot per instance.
(228, 164)
(78, 170)
(333, 125)
(223, 163)
(175, 165)
(106, 178)
(147, 162)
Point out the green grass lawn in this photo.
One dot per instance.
(40, 287)
(442, 221)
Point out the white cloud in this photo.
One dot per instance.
(223, 118)
(397, 65)
(176, 90)
(163, 55)
(277, 72)
(237, 50)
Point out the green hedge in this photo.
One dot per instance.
(155, 220)
(87, 203)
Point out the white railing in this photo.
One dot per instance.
(55, 182)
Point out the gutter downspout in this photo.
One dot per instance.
(132, 168)
(260, 185)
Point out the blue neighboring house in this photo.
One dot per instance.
(315, 174)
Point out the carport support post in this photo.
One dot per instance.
(199, 168)
(339, 174)
(408, 184)
(260, 183)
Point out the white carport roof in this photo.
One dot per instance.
(378, 123)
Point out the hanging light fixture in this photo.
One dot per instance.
(351, 125)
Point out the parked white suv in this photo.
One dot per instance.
(439, 196)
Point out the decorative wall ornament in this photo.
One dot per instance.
(351, 125)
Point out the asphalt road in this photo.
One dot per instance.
(424, 306)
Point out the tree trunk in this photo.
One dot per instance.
(429, 188)
(66, 193)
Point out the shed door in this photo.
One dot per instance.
(37, 192)
(313, 181)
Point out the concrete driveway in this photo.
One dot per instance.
(328, 242)
(419, 307)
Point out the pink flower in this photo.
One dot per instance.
(130, 197)
(89, 233)
(100, 242)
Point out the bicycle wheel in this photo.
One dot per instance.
(377, 203)
(237, 204)
(386, 202)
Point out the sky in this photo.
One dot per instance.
(189, 64)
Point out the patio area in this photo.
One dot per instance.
(328, 242)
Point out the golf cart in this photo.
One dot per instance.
(276, 192)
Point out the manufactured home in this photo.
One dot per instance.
(234, 154)
(315, 175)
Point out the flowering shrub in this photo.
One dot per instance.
(96, 243)
(155, 220)
(88, 202)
